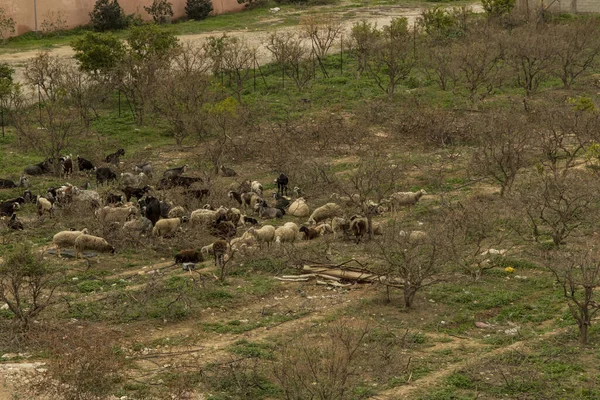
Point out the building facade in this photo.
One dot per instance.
(31, 13)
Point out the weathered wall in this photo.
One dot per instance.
(76, 12)
(565, 6)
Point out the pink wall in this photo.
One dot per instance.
(76, 12)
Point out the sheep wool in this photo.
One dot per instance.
(66, 239)
(299, 208)
(89, 242)
(167, 226)
(266, 234)
(328, 211)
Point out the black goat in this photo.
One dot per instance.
(135, 192)
(14, 223)
(113, 158)
(173, 172)
(282, 184)
(228, 171)
(105, 174)
(84, 165)
(7, 209)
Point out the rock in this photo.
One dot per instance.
(4, 307)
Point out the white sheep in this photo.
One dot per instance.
(299, 208)
(176, 212)
(324, 229)
(207, 217)
(90, 196)
(414, 236)
(116, 214)
(167, 226)
(399, 199)
(243, 242)
(207, 251)
(285, 234)
(293, 226)
(66, 239)
(328, 211)
(44, 206)
(89, 242)
(266, 234)
(129, 179)
(256, 187)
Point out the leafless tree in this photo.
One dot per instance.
(293, 56)
(238, 60)
(44, 73)
(437, 64)
(322, 30)
(578, 274)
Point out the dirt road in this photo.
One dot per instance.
(382, 15)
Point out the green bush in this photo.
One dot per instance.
(198, 9)
(99, 53)
(107, 15)
(161, 11)
(497, 8)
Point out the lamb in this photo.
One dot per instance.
(66, 239)
(188, 256)
(299, 209)
(176, 212)
(328, 211)
(266, 234)
(44, 206)
(256, 187)
(228, 171)
(324, 229)
(269, 212)
(310, 233)
(141, 225)
(405, 198)
(340, 225)
(167, 226)
(129, 179)
(284, 235)
(89, 242)
(146, 168)
(359, 227)
(116, 214)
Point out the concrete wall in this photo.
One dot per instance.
(76, 12)
(561, 6)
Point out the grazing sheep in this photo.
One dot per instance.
(282, 184)
(146, 168)
(228, 171)
(266, 234)
(243, 242)
(359, 227)
(324, 229)
(269, 212)
(299, 208)
(310, 233)
(167, 226)
(109, 214)
(292, 225)
(284, 234)
(89, 242)
(256, 187)
(207, 217)
(399, 199)
(188, 256)
(129, 179)
(8, 208)
(340, 225)
(328, 211)
(14, 223)
(66, 239)
(44, 206)
(174, 172)
(141, 225)
(176, 212)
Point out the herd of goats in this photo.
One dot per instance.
(138, 211)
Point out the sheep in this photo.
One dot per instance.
(244, 219)
(256, 187)
(234, 215)
(14, 223)
(309, 233)
(339, 225)
(282, 184)
(146, 168)
(293, 226)
(266, 234)
(281, 202)
(405, 198)
(207, 217)
(284, 234)
(227, 171)
(269, 212)
(324, 229)
(86, 196)
(245, 241)
(176, 212)
(141, 225)
(129, 179)
(249, 199)
(359, 226)
(89, 242)
(173, 172)
(44, 206)
(348, 201)
(167, 226)
(299, 209)
(207, 251)
(66, 239)
(233, 195)
(109, 214)
(413, 236)
(328, 211)
(188, 256)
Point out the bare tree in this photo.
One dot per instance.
(579, 276)
(364, 36)
(505, 147)
(322, 30)
(237, 60)
(437, 64)
(293, 56)
(44, 73)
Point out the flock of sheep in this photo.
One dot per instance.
(139, 212)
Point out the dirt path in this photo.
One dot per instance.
(381, 15)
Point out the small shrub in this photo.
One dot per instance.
(497, 8)
(107, 15)
(7, 25)
(161, 11)
(53, 23)
(198, 9)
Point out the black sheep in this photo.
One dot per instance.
(188, 256)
